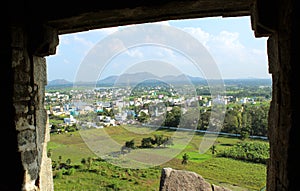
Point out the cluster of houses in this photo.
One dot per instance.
(77, 103)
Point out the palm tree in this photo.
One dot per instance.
(49, 153)
(185, 158)
(213, 149)
(89, 162)
(68, 161)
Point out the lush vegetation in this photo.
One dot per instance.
(97, 174)
(237, 162)
(243, 119)
(77, 167)
(257, 152)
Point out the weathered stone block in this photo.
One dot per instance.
(27, 140)
(174, 180)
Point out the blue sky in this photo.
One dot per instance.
(229, 41)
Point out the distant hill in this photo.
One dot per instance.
(131, 79)
(249, 82)
(144, 77)
(59, 82)
(109, 80)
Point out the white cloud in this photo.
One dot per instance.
(83, 41)
(163, 52)
(108, 31)
(135, 53)
(199, 34)
(229, 39)
(167, 23)
(66, 61)
(232, 57)
(235, 58)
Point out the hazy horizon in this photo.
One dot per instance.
(245, 78)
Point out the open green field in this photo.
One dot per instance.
(104, 175)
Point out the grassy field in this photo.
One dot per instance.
(103, 175)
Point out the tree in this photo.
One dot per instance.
(143, 117)
(246, 125)
(260, 120)
(83, 161)
(185, 159)
(49, 153)
(147, 142)
(204, 119)
(68, 161)
(158, 140)
(168, 141)
(190, 118)
(89, 162)
(213, 149)
(173, 117)
(59, 159)
(130, 144)
(231, 122)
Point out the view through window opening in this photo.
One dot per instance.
(187, 94)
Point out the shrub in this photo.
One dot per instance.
(71, 171)
(59, 174)
(257, 152)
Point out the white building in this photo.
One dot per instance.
(70, 120)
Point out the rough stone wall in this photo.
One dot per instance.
(278, 20)
(283, 129)
(43, 133)
(30, 116)
(10, 160)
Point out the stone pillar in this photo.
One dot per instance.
(279, 122)
(24, 98)
(279, 20)
(284, 124)
(12, 170)
(30, 117)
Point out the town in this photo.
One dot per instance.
(71, 108)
